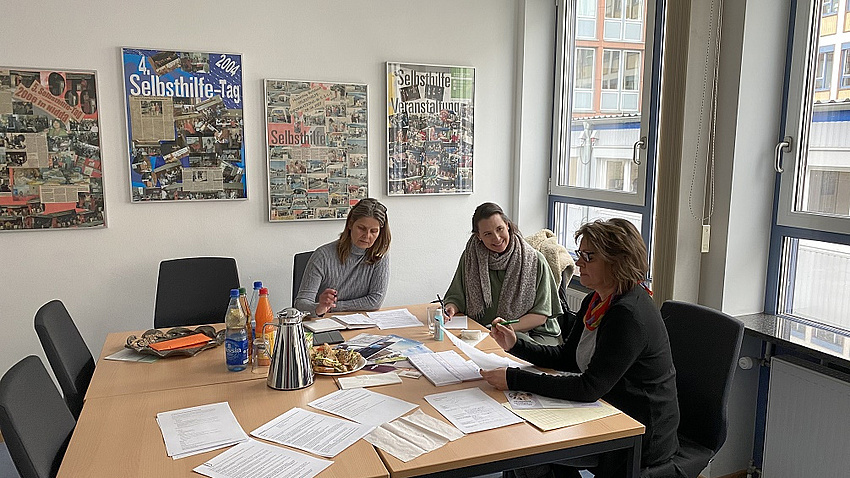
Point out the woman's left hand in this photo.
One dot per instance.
(498, 377)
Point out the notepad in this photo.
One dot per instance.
(186, 342)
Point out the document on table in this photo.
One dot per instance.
(312, 432)
(194, 430)
(323, 325)
(355, 321)
(457, 322)
(394, 319)
(485, 361)
(532, 401)
(372, 380)
(472, 410)
(445, 368)
(262, 460)
(363, 406)
(130, 355)
(551, 418)
(413, 435)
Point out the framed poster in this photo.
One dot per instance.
(430, 113)
(50, 163)
(317, 148)
(184, 120)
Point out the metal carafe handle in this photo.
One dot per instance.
(290, 367)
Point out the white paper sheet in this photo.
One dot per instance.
(485, 361)
(130, 355)
(312, 432)
(363, 406)
(472, 410)
(394, 319)
(323, 325)
(194, 430)
(357, 320)
(262, 460)
(445, 368)
(531, 401)
(457, 322)
(413, 435)
(363, 381)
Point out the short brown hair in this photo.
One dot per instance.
(619, 244)
(488, 209)
(368, 207)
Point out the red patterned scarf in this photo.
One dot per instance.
(598, 307)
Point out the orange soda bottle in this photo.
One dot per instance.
(264, 315)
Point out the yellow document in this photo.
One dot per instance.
(552, 418)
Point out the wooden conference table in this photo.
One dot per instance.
(117, 433)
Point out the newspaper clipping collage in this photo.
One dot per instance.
(317, 149)
(430, 129)
(184, 115)
(186, 138)
(50, 173)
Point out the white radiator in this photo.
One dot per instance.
(808, 421)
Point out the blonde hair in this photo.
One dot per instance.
(619, 244)
(368, 207)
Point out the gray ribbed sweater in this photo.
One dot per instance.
(359, 286)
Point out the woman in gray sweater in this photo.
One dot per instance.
(352, 272)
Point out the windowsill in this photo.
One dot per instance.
(797, 336)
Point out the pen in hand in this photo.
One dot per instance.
(504, 322)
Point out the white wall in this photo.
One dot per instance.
(107, 277)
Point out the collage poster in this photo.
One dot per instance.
(184, 118)
(317, 149)
(50, 164)
(430, 112)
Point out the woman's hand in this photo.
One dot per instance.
(498, 377)
(503, 335)
(327, 301)
(450, 310)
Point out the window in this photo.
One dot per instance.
(604, 134)
(586, 19)
(810, 243)
(623, 20)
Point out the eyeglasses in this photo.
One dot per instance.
(587, 256)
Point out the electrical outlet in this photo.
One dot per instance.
(706, 235)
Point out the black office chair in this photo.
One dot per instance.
(194, 290)
(69, 357)
(298, 267)
(568, 317)
(34, 420)
(705, 345)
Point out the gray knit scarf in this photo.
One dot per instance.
(519, 261)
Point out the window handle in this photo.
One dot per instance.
(784, 145)
(641, 143)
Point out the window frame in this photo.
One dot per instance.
(642, 201)
(787, 224)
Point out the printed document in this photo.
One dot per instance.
(394, 319)
(532, 401)
(445, 368)
(363, 406)
(372, 380)
(551, 418)
(355, 321)
(262, 460)
(484, 360)
(472, 410)
(194, 430)
(312, 432)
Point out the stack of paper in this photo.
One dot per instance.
(355, 321)
(363, 406)
(253, 458)
(194, 430)
(445, 368)
(394, 319)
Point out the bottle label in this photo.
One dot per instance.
(236, 350)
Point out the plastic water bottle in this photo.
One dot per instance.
(438, 324)
(236, 335)
(252, 308)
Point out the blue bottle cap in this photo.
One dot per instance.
(258, 284)
(234, 292)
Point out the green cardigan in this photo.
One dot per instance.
(546, 301)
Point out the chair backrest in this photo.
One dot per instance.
(705, 345)
(298, 266)
(194, 290)
(69, 357)
(34, 420)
